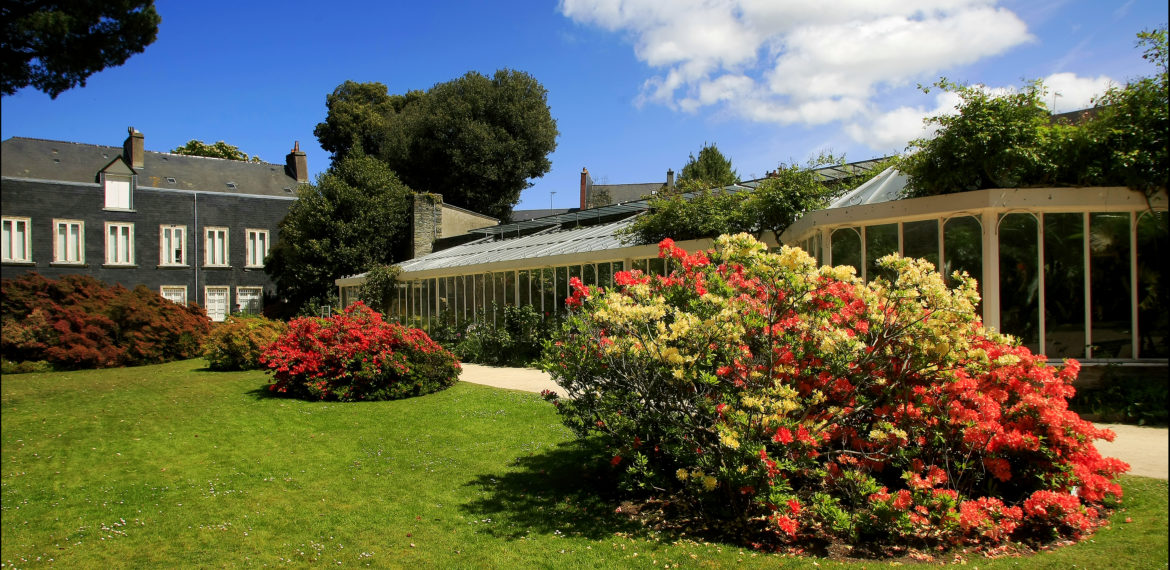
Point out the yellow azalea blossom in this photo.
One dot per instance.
(709, 483)
(681, 474)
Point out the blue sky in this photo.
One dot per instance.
(635, 85)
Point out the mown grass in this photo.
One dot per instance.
(174, 465)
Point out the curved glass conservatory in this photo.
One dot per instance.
(1073, 272)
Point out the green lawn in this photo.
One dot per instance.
(174, 465)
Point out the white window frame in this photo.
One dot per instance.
(166, 255)
(255, 254)
(119, 255)
(17, 247)
(227, 299)
(69, 250)
(259, 298)
(119, 190)
(174, 288)
(215, 240)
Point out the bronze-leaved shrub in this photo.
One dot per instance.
(355, 355)
(798, 402)
(238, 342)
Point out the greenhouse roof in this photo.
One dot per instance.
(884, 187)
(544, 244)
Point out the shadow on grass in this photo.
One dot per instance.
(567, 488)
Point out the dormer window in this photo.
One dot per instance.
(118, 181)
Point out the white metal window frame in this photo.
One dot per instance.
(216, 251)
(244, 294)
(119, 238)
(257, 244)
(168, 292)
(168, 237)
(212, 313)
(69, 244)
(17, 236)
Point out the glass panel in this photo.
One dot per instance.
(479, 294)
(1153, 318)
(641, 265)
(561, 286)
(525, 297)
(1109, 293)
(656, 266)
(604, 275)
(1019, 278)
(963, 248)
(880, 241)
(920, 239)
(846, 248)
(1064, 285)
(589, 273)
(509, 281)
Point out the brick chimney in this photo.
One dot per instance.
(132, 150)
(669, 178)
(585, 184)
(296, 164)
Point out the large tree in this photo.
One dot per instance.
(476, 140)
(218, 150)
(353, 219)
(710, 169)
(55, 46)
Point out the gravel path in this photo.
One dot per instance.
(1144, 448)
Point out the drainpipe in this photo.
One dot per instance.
(195, 235)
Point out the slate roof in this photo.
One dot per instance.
(625, 192)
(41, 159)
(525, 215)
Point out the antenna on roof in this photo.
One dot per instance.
(550, 199)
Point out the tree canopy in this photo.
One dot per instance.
(354, 218)
(55, 46)
(476, 140)
(1012, 140)
(218, 150)
(708, 170)
(775, 204)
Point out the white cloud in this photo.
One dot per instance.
(1069, 92)
(803, 62)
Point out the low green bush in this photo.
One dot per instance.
(355, 355)
(514, 338)
(798, 404)
(238, 342)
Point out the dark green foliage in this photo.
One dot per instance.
(78, 322)
(55, 46)
(236, 343)
(1140, 400)
(378, 289)
(475, 139)
(355, 217)
(1008, 141)
(709, 169)
(692, 211)
(514, 338)
(218, 150)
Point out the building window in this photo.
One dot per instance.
(250, 299)
(172, 245)
(174, 293)
(217, 247)
(17, 247)
(119, 191)
(119, 244)
(257, 247)
(69, 241)
(216, 300)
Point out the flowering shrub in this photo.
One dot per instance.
(356, 355)
(79, 322)
(797, 400)
(236, 343)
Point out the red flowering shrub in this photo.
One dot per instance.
(356, 355)
(79, 322)
(236, 343)
(797, 400)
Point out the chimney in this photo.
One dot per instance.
(585, 184)
(132, 149)
(669, 178)
(295, 163)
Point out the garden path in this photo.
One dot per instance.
(1145, 448)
